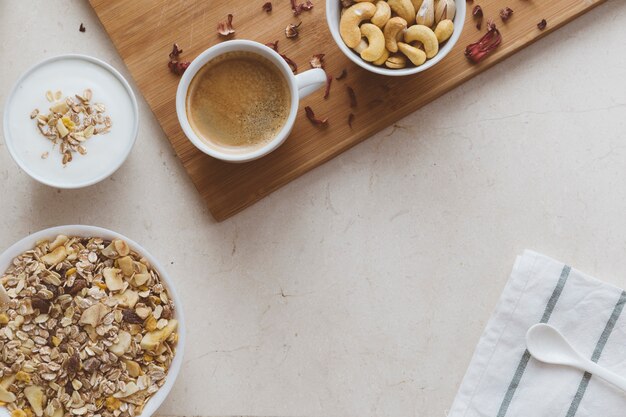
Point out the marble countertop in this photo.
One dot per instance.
(362, 287)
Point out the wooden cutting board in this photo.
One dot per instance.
(144, 30)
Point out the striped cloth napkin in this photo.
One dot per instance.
(503, 380)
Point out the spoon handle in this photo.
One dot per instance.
(605, 374)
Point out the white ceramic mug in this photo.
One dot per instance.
(300, 86)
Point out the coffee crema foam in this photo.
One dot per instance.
(238, 101)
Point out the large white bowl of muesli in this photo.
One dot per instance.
(90, 326)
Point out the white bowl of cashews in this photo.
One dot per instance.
(395, 37)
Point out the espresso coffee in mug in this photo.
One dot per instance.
(238, 101)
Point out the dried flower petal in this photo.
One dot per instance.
(352, 96)
(317, 61)
(272, 45)
(226, 28)
(291, 31)
(344, 73)
(267, 7)
(350, 119)
(178, 67)
(289, 61)
(477, 12)
(311, 116)
(542, 25)
(478, 51)
(176, 51)
(329, 80)
(81, 28)
(299, 8)
(505, 14)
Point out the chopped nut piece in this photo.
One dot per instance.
(506, 13)
(267, 7)
(343, 75)
(34, 113)
(81, 28)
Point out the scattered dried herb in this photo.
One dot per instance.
(317, 61)
(176, 51)
(226, 28)
(299, 8)
(352, 96)
(291, 31)
(329, 80)
(82, 28)
(477, 13)
(506, 13)
(350, 119)
(478, 51)
(178, 67)
(542, 25)
(311, 116)
(343, 74)
(267, 7)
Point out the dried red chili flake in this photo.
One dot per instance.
(178, 67)
(352, 96)
(329, 80)
(299, 8)
(176, 51)
(506, 13)
(542, 25)
(82, 28)
(226, 28)
(267, 7)
(317, 61)
(311, 116)
(343, 74)
(477, 12)
(350, 119)
(478, 51)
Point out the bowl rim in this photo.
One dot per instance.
(29, 241)
(459, 21)
(8, 139)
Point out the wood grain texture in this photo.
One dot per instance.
(144, 30)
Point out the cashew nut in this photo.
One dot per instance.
(415, 55)
(382, 15)
(426, 36)
(426, 13)
(350, 20)
(396, 61)
(444, 30)
(361, 46)
(404, 9)
(383, 58)
(393, 31)
(417, 4)
(445, 9)
(375, 41)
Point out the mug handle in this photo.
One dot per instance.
(310, 81)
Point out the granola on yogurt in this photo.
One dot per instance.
(86, 329)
